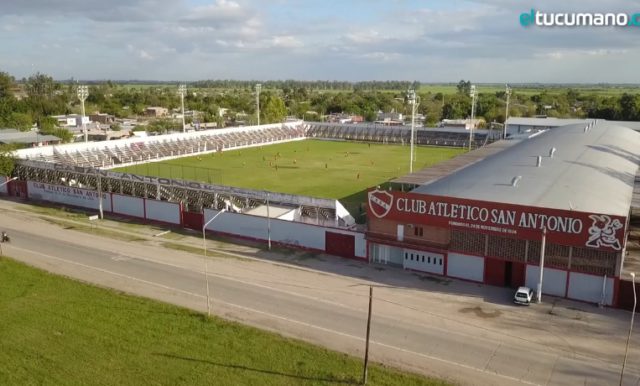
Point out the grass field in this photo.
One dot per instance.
(56, 331)
(327, 169)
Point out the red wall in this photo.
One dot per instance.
(625, 295)
(494, 272)
(339, 244)
(193, 220)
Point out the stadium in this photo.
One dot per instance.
(560, 198)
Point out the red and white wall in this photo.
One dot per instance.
(335, 241)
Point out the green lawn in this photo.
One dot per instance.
(327, 169)
(56, 331)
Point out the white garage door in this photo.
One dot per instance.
(424, 261)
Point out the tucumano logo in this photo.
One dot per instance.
(579, 19)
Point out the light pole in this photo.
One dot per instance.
(633, 313)
(182, 89)
(258, 88)
(542, 251)
(507, 92)
(9, 180)
(414, 101)
(83, 93)
(472, 93)
(206, 265)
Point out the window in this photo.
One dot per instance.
(429, 260)
(406, 256)
(418, 231)
(423, 259)
(440, 261)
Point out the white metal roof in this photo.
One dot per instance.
(544, 122)
(591, 171)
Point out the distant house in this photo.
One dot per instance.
(27, 138)
(462, 123)
(156, 112)
(102, 118)
(344, 118)
(71, 120)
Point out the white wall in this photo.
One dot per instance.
(67, 195)
(589, 288)
(423, 261)
(554, 281)
(3, 188)
(131, 206)
(286, 232)
(168, 212)
(465, 266)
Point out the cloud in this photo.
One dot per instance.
(428, 41)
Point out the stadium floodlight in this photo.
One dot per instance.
(83, 93)
(258, 88)
(633, 313)
(414, 101)
(472, 94)
(204, 246)
(182, 89)
(507, 93)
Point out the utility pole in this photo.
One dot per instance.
(506, 114)
(542, 252)
(258, 88)
(182, 89)
(366, 350)
(83, 93)
(472, 93)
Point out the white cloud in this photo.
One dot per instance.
(286, 42)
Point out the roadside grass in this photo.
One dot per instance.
(56, 330)
(93, 229)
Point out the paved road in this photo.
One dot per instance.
(331, 310)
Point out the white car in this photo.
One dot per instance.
(523, 295)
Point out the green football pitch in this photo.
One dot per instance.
(326, 169)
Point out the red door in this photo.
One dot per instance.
(339, 244)
(494, 272)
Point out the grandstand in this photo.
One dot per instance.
(86, 165)
(398, 134)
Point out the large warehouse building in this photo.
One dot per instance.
(570, 187)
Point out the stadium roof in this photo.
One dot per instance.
(592, 171)
(444, 168)
(547, 122)
(26, 137)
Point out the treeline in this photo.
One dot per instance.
(33, 100)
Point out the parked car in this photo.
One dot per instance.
(523, 296)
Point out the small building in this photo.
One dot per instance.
(102, 118)
(27, 138)
(156, 112)
(71, 120)
(387, 117)
(462, 123)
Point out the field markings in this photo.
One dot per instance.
(294, 321)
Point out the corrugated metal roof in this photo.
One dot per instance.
(14, 136)
(442, 169)
(591, 171)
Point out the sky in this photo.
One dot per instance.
(352, 40)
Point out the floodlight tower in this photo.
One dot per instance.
(83, 93)
(414, 101)
(182, 89)
(258, 88)
(507, 92)
(472, 93)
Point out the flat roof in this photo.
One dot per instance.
(592, 171)
(15, 136)
(550, 121)
(274, 211)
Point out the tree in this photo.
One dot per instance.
(464, 87)
(6, 85)
(115, 127)
(7, 163)
(20, 121)
(274, 110)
